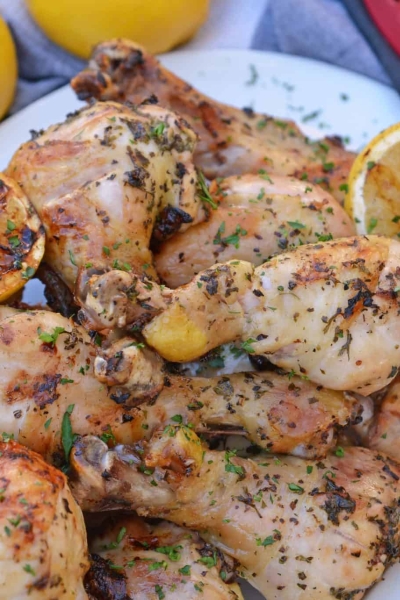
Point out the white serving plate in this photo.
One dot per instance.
(323, 99)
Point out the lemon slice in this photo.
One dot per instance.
(22, 238)
(373, 197)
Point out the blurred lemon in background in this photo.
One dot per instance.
(8, 68)
(158, 25)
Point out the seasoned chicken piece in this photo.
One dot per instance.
(47, 383)
(232, 141)
(300, 530)
(105, 181)
(47, 371)
(384, 433)
(328, 311)
(43, 548)
(257, 216)
(135, 559)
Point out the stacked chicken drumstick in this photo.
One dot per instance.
(164, 270)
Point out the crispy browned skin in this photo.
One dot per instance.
(43, 548)
(135, 559)
(331, 526)
(232, 141)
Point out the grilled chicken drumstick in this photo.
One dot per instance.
(328, 311)
(257, 216)
(232, 141)
(135, 559)
(43, 548)
(301, 530)
(106, 180)
(47, 375)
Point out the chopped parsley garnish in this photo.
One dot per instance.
(157, 130)
(72, 258)
(171, 551)
(209, 561)
(247, 345)
(28, 273)
(14, 241)
(296, 489)
(233, 239)
(159, 591)
(203, 191)
(185, 570)
(50, 338)
(67, 436)
(296, 224)
(230, 468)
(372, 224)
(28, 569)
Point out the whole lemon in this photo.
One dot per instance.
(8, 68)
(158, 25)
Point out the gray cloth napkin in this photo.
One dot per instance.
(320, 29)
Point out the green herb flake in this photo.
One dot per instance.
(14, 241)
(157, 130)
(50, 338)
(296, 224)
(203, 191)
(185, 570)
(67, 436)
(372, 224)
(28, 273)
(72, 258)
(296, 489)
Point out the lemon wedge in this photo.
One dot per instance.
(22, 238)
(373, 195)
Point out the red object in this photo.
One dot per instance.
(386, 16)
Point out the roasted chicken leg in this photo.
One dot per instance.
(47, 375)
(232, 141)
(300, 530)
(106, 180)
(257, 216)
(135, 559)
(43, 547)
(328, 311)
